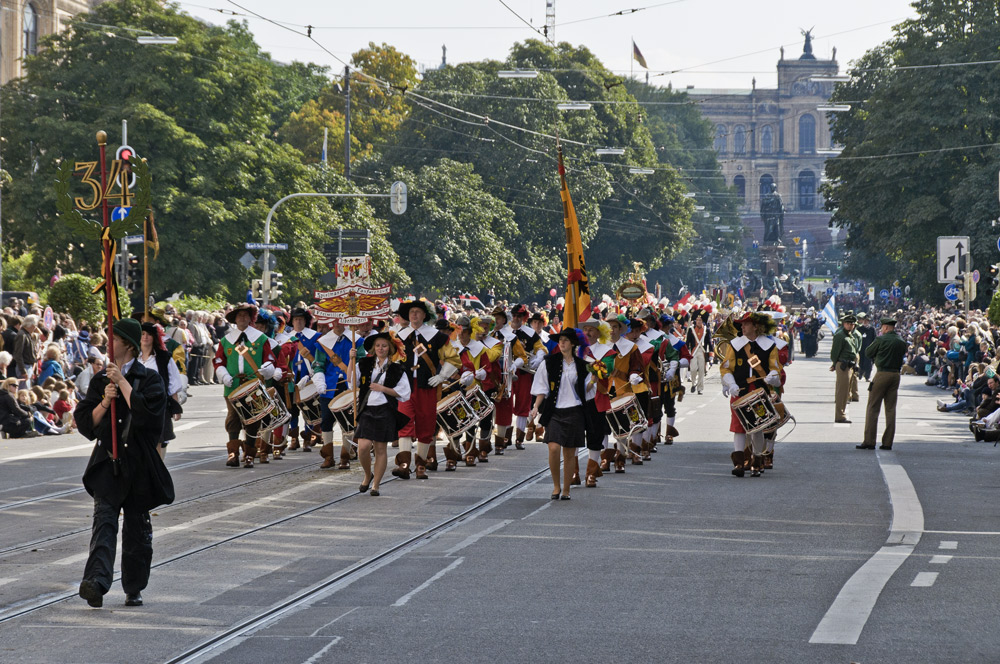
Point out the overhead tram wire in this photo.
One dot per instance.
(525, 21)
(621, 12)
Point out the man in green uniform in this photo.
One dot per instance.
(887, 353)
(844, 359)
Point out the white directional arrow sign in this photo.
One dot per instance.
(950, 250)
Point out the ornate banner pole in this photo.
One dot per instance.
(110, 296)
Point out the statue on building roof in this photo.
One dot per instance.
(807, 47)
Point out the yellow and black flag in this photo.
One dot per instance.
(637, 55)
(577, 307)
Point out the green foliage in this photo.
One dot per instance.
(191, 302)
(939, 127)
(994, 311)
(205, 121)
(16, 273)
(72, 295)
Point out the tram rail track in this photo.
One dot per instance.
(25, 546)
(304, 596)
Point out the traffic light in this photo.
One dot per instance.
(277, 286)
(995, 275)
(133, 275)
(257, 289)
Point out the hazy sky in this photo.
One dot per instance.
(719, 43)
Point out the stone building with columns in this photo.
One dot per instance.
(23, 23)
(779, 136)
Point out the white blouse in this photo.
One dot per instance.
(401, 388)
(567, 385)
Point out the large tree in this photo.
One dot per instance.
(203, 112)
(920, 144)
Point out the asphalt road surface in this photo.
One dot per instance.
(835, 555)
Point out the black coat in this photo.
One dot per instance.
(142, 474)
(554, 368)
(11, 412)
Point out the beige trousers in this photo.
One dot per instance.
(842, 392)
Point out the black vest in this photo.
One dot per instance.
(393, 373)
(743, 371)
(424, 372)
(554, 367)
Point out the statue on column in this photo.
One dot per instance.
(772, 213)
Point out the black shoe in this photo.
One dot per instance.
(564, 498)
(885, 447)
(555, 496)
(374, 492)
(862, 446)
(134, 599)
(90, 591)
(842, 421)
(978, 433)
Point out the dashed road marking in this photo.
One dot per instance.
(940, 560)
(924, 579)
(426, 584)
(948, 544)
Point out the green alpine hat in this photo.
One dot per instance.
(130, 330)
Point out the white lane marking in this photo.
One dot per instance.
(472, 539)
(160, 533)
(846, 617)
(964, 532)
(315, 658)
(189, 425)
(4, 582)
(702, 405)
(426, 584)
(316, 633)
(948, 544)
(59, 450)
(940, 560)
(841, 425)
(922, 424)
(924, 579)
(545, 506)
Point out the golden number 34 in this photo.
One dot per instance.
(88, 168)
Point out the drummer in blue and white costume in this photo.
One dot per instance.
(739, 379)
(301, 370)
(330, 378)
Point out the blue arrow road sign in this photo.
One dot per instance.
(951, 292)
(884, 294)
(273, 246)
(119, 213)
(896, 292)
(829, 291)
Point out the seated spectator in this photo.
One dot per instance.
(95, 364)
(14, 417)
(51, 364)
(63, 408)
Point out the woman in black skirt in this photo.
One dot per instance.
(382, 384)
(560, 389)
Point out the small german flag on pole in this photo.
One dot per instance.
(637, 55)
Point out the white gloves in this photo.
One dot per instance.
(224, 376)
(466, 379)
(773, 379)
(276, 375)
(447, 371)
(518, 363)
(536, 359)
(671, 372)
(685, 363)
(481, 374)
(435, 380)
(634, 379)
(267, 371)
(319, 380)
(305, 380)
(729, 386)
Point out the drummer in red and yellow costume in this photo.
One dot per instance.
(234, 372)
(599, 357)
(640, 446)
(739, 378)
(480, 368)
(430, 361)
(671, 388)
(627, 378)
(781, 342)
(266, 324)
(533, 346)
(514, 351)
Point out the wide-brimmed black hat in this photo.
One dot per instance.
(130, 330)
(428, 307)
(370, 341)
(243, 306)
(299, 312)
(570, 334)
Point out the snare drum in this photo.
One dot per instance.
(625, 416)
(755, 411)
(276, 416)
(455, 414)
(342, 407)
(251, 402)
(307, 399)
(481, 404)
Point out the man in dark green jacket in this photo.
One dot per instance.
(887, 353)
(844, 360)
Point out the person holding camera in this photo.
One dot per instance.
(844, 355)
